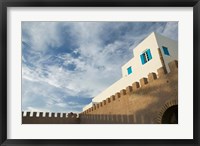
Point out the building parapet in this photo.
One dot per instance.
(161, 72)
(47, 118)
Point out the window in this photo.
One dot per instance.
(129, 70)
(165, 49)
(146, 56)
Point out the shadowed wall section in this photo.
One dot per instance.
(144, 101)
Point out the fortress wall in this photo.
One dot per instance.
(143, 100)
(142, 103)
(112, 119)
(47, 119)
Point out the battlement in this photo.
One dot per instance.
(143, 83)
(143, 102)
(49, 118)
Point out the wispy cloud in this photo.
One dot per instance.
(42, 35)
(65, 64)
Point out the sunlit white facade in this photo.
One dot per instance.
(146, 59)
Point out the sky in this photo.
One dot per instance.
(66, 64)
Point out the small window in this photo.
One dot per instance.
(146, 56)
(129, 70)
(166, 51)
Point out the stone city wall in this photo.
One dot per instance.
(144, 102)
(69, 118)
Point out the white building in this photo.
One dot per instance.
(152, 53)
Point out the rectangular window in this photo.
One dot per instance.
(165, 50)
(146, 56)
(129, 70)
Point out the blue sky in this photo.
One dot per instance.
(66, 64)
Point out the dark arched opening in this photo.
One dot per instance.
(170, 116)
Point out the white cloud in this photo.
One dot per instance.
(97, 67)
(42, 35)
(171, 30)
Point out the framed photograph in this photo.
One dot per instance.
(99, 72)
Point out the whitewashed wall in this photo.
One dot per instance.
(172, 46)
(140, 70)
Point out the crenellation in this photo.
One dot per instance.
(104, 102)
(135, 86)
(151, 77)
(112, 98)
(117, 95)
(161, 72)
(108, 100)
(40, 114)
(38, 118)
(173, 66)
(143, 81)
(129, 89)
(64, 115)
(47, 114)
(34, 114)
(58, 115)
(53, 115)
(122, 92)
(29, 114)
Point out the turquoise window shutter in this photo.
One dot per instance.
(149, 54)
(166, 51)
(129, 70)
(142, 59)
